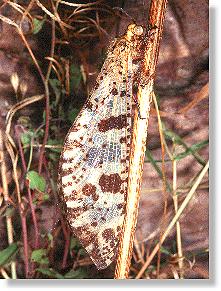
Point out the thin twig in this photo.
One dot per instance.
(6, 199)
(43, 78)
(139, 254)
(178, 229)
(164, 186)
(174, 220)
(17, 133)
(19, 106)
(9, 144)
(66, 249)
(47, 99)
(13, 152)
(138, 145)
(4, 274)
(202, 94)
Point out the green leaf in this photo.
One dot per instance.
(75, 244)
(7, 254)
(50, 239)
(46, 197)
(40, 196)
(26, 137)
(36, 181)
(77, 274)
(188, 150)
(55, 142)
(169, 134)
(191, 150)
(50, 273)
(165, 251)
(54, 157)
(82, 252)
(75, 77)
(44, 116)
(72, 114)
(40, 256)
(153, 162)
(10, 211)
(38, 24)
(57, 88)
(156, 167)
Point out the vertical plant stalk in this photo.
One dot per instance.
(14, 158)
(178, 229)
(27, 186)
(164, 186)
(6, 199)
(138, 145)
(47, 98)
(66, 248)
(12, 150)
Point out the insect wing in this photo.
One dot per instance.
(95, 160)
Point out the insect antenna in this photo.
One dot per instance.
(122, 12)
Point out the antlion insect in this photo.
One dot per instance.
(94, 164)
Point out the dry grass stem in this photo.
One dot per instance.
(175, 218)
(5, 191)
(178, 229)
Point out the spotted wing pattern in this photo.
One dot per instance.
(94, 164)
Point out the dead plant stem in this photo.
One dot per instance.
(27, 186)
(138, 144)
(164, 186)
(47, 99)
(178, 229)
(6, 199)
